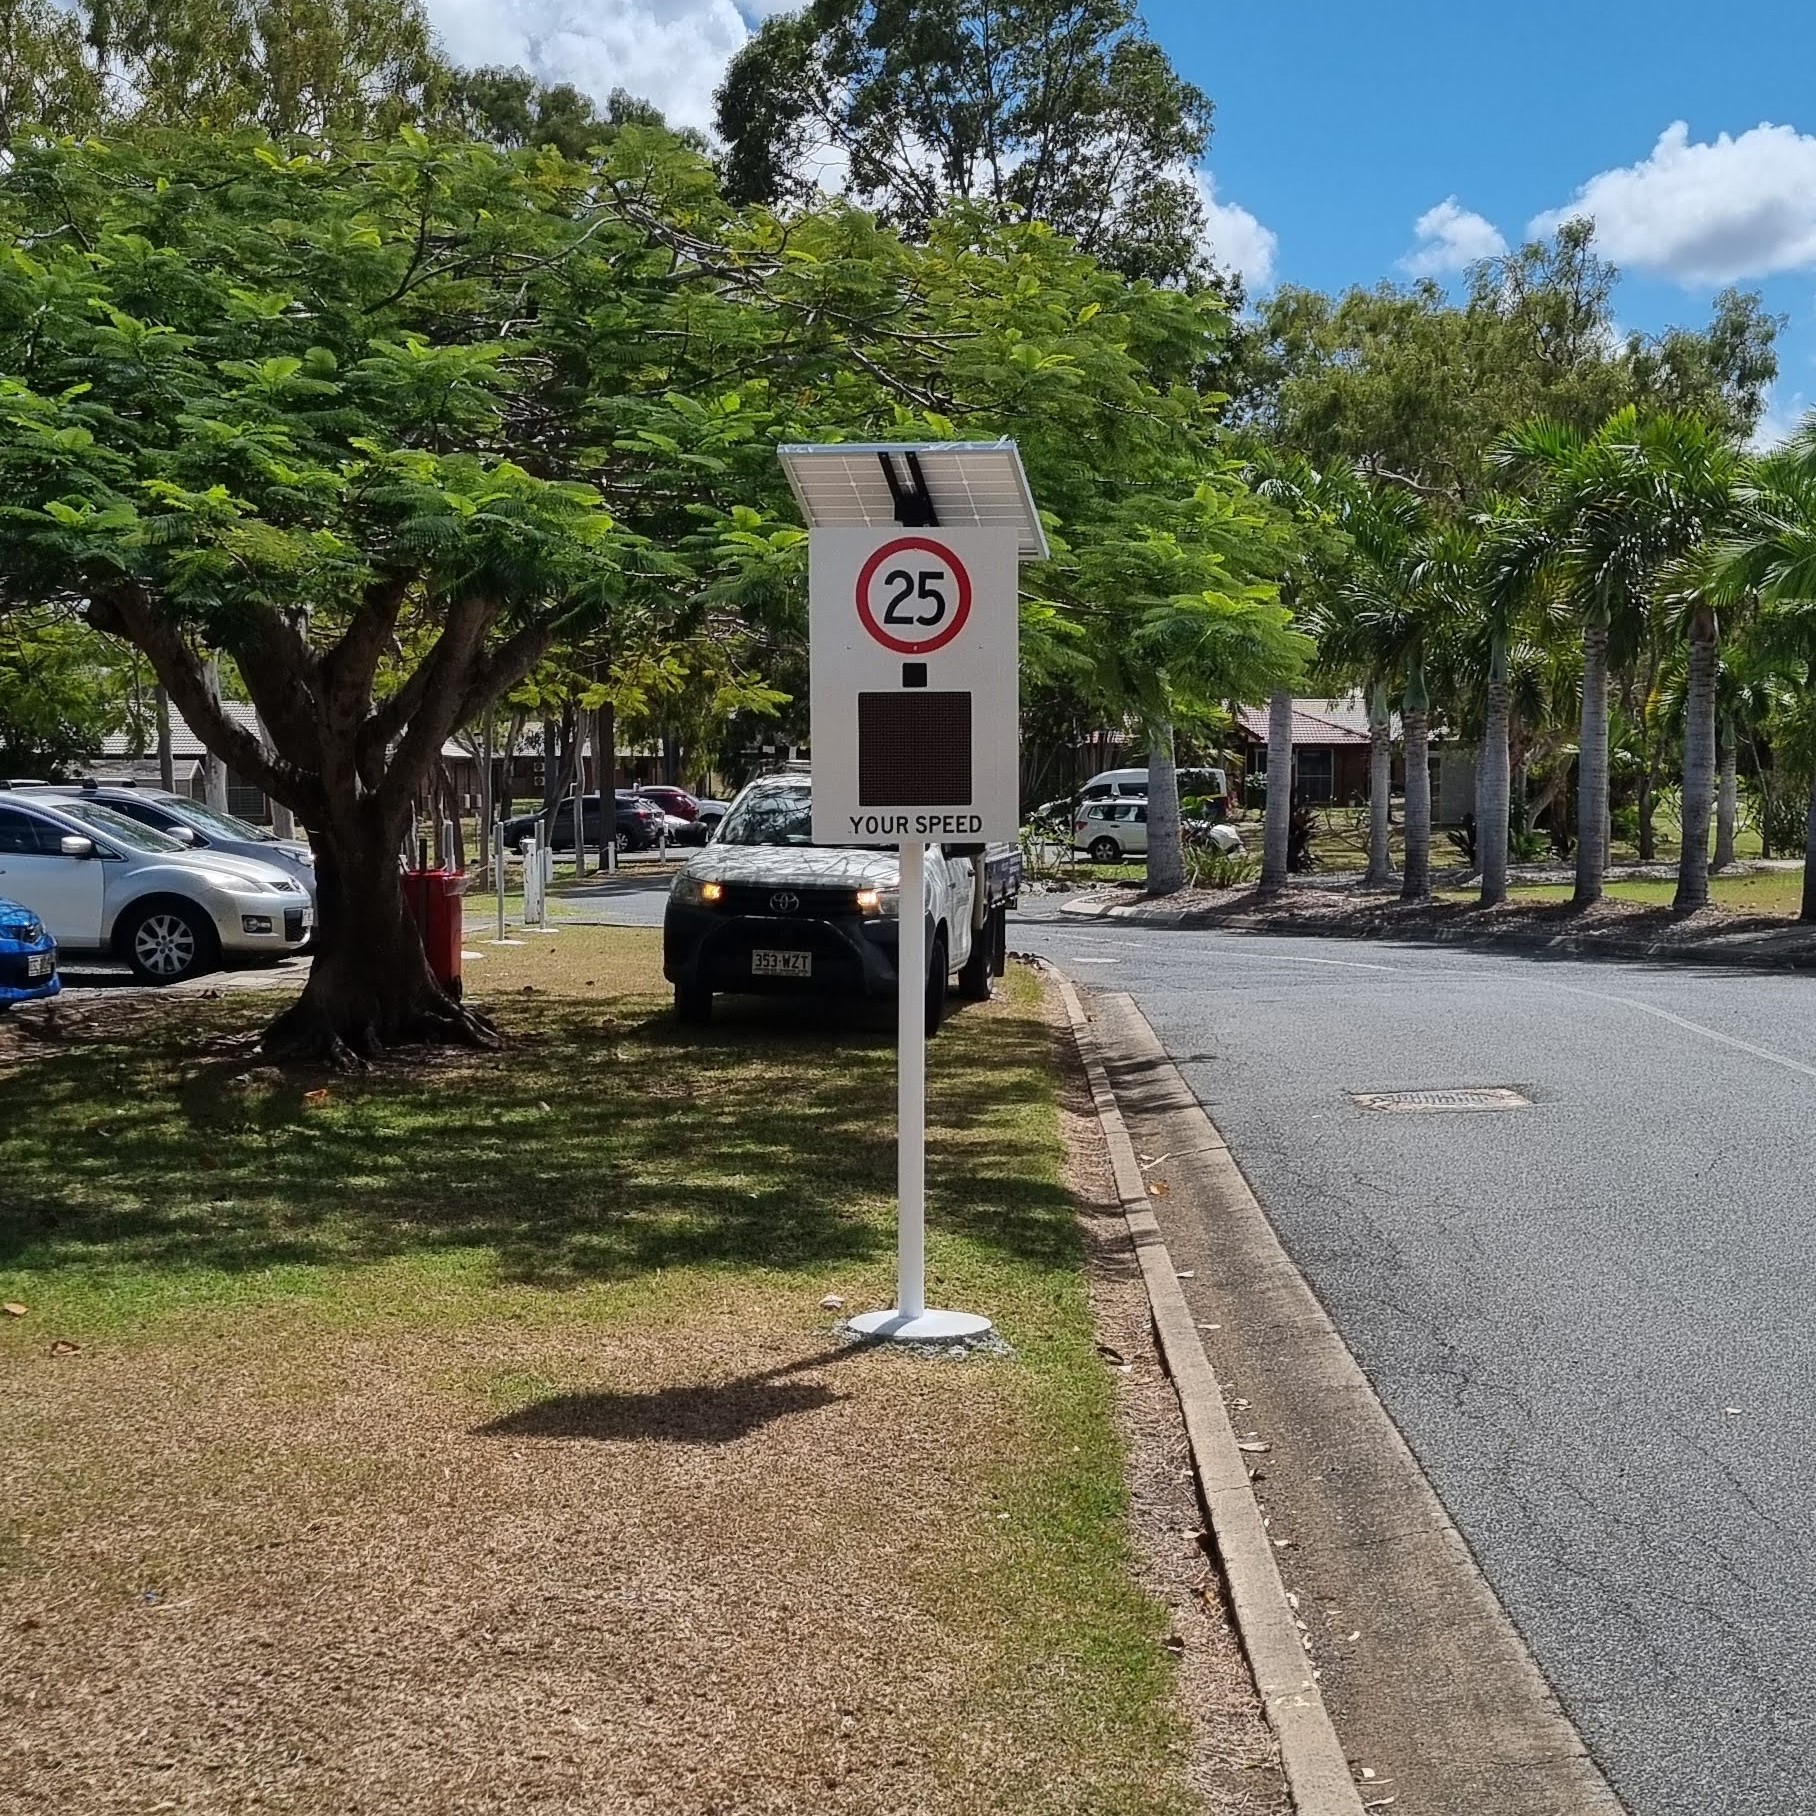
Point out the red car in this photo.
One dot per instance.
(672, 800)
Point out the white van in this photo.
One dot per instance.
(1211, 785)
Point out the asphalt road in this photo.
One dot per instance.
(1591, 1319)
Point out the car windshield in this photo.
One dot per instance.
(118, 827)
(769, 816)
(223, 825)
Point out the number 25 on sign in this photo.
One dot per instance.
(913, 595)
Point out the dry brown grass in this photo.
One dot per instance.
(400, 1527)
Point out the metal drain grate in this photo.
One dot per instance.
(1484, 1097)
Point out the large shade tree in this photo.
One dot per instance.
(1063, 111)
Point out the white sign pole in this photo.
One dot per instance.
(911, 1088)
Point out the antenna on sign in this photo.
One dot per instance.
(913, 502)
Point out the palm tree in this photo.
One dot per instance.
(1771, 553)
(1376, 622)
(1620, 508)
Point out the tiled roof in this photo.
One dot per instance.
(1315, 722)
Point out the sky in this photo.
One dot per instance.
(1406, 138)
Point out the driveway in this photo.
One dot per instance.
(1590, 1317)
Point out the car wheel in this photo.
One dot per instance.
(169, 943)
(1105, 851)
(974, 979)
(693, 1005)
(936, 988)
(623, 841)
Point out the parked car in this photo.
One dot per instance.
(705, 822)
(1208, 788)
(105, 884)
(1108, 831)
(640, 823)
(676, 801)
(765, 909)
(28, 956)
(196, 824)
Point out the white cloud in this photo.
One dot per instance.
(1237, 240)
(1451, 238)
(1779, 421)
(1706, 214)
(671, 52)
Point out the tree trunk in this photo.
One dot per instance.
(167, 768)
(1808, 911)
(607, 744)
(1592, 769)
(1166, 857)
(1380, 788)
(1495, 813)
(487, 838)
(370, 986)
(1699, 766)
(283, 821)
(551, 768)
(1727, 796)
(1415, 736)
(1276, 825)
(214, 771)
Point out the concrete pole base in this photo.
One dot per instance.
(925, 1327)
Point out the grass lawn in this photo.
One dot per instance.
(1766, 892)
(474, 1436)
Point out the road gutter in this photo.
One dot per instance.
(1438, 1689)
(1317, 1772)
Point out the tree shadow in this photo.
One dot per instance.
(607, 1142)
(711, 1413)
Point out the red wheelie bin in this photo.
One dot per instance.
(434, 899)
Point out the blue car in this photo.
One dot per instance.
(28, 956)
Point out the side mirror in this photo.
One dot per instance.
(184, 835)
(73, 845)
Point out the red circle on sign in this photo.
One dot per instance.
(913, 595)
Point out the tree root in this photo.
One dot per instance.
(306, 1033)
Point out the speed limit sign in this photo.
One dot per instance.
(914, 595)
(915, 684)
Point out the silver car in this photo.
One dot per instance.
(107, 885)
(197, 825)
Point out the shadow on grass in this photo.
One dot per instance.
(606, 1142)
(718, 1413)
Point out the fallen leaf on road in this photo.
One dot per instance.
(1114, 1357)
(1732, 1410)
(831, 1302)
(1256, 1448)
(63, 1347)
(14, 1309)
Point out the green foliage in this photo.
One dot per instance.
(1412, 388)
(1063, 111)
(62, 689)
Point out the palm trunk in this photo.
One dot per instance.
(1277, 824)
(1380, 788)
(1496, 783)
(1592, 769)
(1166, 858)
(1727, 796)
(1699, 766)
(214, 771)
(1808, 911)
(1415, 730)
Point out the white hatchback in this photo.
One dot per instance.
(106, 885)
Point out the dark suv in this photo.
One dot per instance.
(639, 825)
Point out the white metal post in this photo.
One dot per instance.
(911, 1087)
(910, 1320)
(498, 861)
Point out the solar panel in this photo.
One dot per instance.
(969, 484)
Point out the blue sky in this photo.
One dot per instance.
(1341, 127)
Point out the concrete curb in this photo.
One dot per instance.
(1317, 1772)
(1562, 945)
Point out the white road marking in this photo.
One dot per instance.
(1678, 1021)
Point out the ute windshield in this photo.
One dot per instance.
(769, 816)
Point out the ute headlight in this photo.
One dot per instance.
(884, 903)
(698, 892)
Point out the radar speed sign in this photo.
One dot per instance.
(914, 595)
